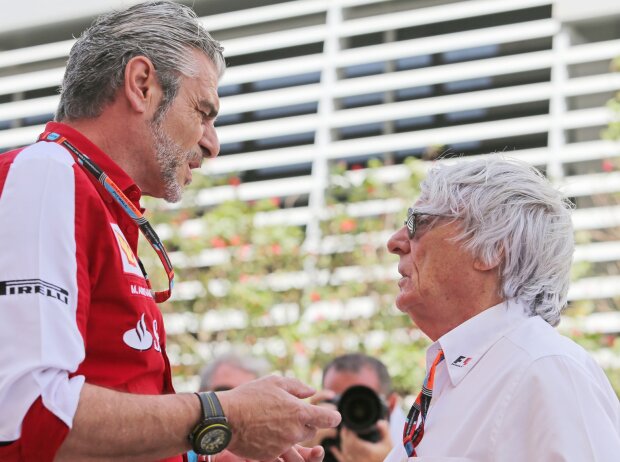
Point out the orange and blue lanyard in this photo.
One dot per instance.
(413, 433)
(131, 210)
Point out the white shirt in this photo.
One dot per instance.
(511, 388)
(397, 423)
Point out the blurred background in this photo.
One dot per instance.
(331, 111)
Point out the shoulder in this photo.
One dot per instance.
(537, 339)
(50, 154)
(560, 396)
(556, 363)
(44, 168)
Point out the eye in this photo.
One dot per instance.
(423, 222)
(423, 219)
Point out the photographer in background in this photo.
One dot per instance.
(340, 375)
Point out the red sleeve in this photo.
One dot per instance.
(42, 435)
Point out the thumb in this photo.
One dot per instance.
(314, 454)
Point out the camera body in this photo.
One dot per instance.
(360, 408)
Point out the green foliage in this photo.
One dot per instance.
(612, 132)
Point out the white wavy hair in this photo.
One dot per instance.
(512, 215)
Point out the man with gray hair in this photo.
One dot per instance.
(231, 370)
(485, 256)
(84, 373)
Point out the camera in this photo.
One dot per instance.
(360, 408)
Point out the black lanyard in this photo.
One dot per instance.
(130, 209)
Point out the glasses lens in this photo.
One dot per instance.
(410, 223)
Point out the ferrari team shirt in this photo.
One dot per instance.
(511, 388)
(74, 305)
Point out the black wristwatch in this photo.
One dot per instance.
(212, 434)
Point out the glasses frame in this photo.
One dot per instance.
(411, 220)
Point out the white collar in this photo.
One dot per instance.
(467, 343)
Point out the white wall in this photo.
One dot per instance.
(573, 10)
(17, 15)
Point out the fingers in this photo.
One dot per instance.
(355, 449)
(314, 454)
(319, 435)
(321, 396)
(322, 417)
(294, 387)
(292, 455)
(266, 427)
(337, 453)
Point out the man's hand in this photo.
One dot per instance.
(320, 399)
(355, 449)
(268, 418)
(300, 454)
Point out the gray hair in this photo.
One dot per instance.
(355, 362)
(163, 31)
(512, 215)
(251, 364)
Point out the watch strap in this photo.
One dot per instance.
(211, 407)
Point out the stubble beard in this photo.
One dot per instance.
(169, 156)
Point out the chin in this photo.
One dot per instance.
(172, 199)
(173, 192)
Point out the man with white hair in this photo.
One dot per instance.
(485, 257)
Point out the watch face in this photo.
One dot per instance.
(215, 439)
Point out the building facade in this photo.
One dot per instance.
(315, 83)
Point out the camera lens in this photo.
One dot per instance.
(360, 408)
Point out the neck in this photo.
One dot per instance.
(122, 147)
(463, 305)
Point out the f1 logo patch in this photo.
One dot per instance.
(461, 361)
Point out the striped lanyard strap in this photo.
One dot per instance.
(413, 433)
(130, 209)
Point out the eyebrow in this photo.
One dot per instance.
(208, 107)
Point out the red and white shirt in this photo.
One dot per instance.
(74, 305)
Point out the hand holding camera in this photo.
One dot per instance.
(363, 434)
(354, 449)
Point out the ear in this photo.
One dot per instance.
(482, 266)
(141, 87)
(392, 400)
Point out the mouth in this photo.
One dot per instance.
(196, 163)
(403, 278)
(188, 175)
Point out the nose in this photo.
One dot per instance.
(399, 243)
(210, 142)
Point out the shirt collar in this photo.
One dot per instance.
(111, 168)
(467, 343)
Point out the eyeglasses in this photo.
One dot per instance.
(411, 221)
